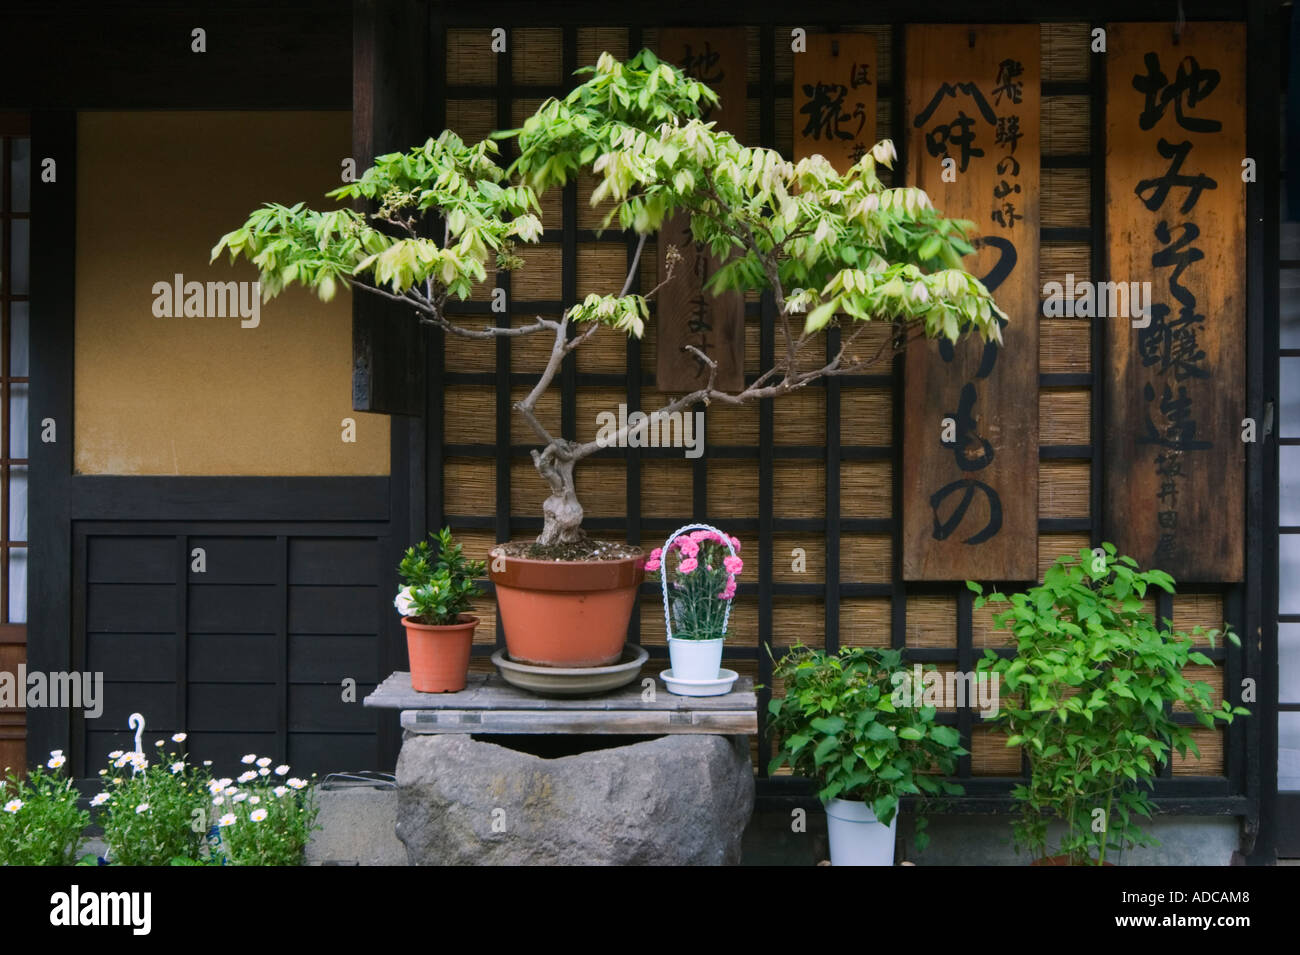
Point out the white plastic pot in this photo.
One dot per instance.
(695, 659)
(857, 838)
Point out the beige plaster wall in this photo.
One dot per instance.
(190, 395)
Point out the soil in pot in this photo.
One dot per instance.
(566, 612)
(439, 654)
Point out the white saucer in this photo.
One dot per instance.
(722, 685)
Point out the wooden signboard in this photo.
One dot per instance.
(1175, 218)
(686, 313)
(835, 98)
(970, 422)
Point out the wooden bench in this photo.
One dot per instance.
(488, 704)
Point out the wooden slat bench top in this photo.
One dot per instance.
(490, 705)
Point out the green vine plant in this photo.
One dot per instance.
(1091, 696)
(832, 249)
(839, 724)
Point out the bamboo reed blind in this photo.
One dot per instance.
(825, 458)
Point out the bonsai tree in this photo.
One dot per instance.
(1088, 696)
(831, 248)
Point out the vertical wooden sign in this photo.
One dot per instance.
(970, 421)
(1175, 224)
(835, 98)
(688, 314)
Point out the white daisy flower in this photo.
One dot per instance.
(281, 770)
(254, 800)
(280, 790)
(263, 771)
(100, 799)
(227, 820)
(239, 797)
(257, 815)
(143, 807)
(115, 754)
(218, 800)
(103, 772)
(56, 752)
(223, 782)
(297, 783)
(231, 790)
(245, 777)
(250, 758)
(207, 762)
(178, 766)
(264, 761)
(13, 805)
(179, 737)
(158, 742)
(56, 761)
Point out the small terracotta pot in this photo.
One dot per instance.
(439, 654)
(566, 613)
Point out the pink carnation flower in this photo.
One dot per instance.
(688, 547)
(698, 536)
(734, 565)
(657, 553)
(735, 543)
(688, 565)
(652, 564)
(729, 591)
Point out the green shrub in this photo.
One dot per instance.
(839, 724)
(40, 823)
(1089, 695)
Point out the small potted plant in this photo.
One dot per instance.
(844, 723)
(697, 568)
(1089, 697)
(433, 601)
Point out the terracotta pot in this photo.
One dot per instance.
(439, 654)
(1058, 860)
(566, 613)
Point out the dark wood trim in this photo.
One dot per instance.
(53, 298)
(524, 13)
(390, 58)
(137, 55)
(124, 497)
(1265, 37)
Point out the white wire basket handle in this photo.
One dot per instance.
(663, 570)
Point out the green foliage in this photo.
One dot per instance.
(839, 723)
(463, 184)
(834, 246)
(40, 823)
(437, 590)
(153, 811)
(268, 820)
(1088, 696)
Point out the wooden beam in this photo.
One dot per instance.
(390, 105)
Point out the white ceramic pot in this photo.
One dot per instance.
(857, 838)
(695, 659)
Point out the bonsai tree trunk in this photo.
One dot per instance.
(562, 512)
